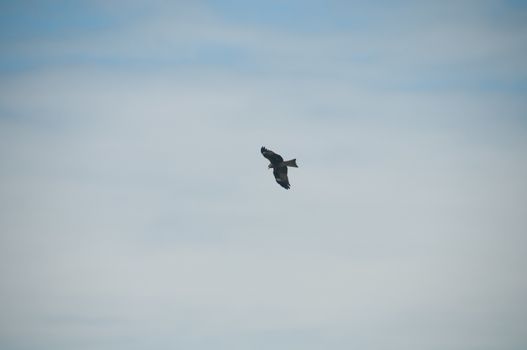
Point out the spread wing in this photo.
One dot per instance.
(273, 157)
(280, 175)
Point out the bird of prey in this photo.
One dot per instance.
(279, 166)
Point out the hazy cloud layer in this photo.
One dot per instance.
(136, 210)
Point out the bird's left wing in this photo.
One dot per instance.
(280, 175)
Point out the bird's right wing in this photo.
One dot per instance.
(273, 157)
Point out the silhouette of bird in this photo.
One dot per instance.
(279, 166)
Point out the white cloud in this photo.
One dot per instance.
(455, 42)
(137, 211)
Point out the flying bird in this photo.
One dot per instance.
(279, 166)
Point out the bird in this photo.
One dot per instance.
(279, 166)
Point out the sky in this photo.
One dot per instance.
(136, 211)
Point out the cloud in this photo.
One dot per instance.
(137, 211)
(405, 46)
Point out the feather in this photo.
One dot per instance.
(279, 166)
(273, 157)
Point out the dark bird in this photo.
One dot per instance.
(279, 166)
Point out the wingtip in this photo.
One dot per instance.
(286, 186)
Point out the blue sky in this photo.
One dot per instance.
(137, 212)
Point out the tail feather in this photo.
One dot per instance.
(291, 162)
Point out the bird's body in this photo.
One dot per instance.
(279, 166)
